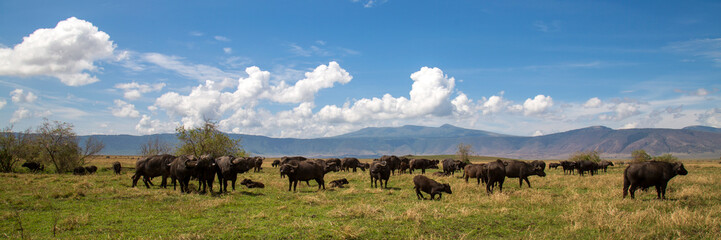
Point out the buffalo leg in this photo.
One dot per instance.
(145, 180)
(529, 183)
(658, 191)
(295, 185)
(633, 191)
(419, 194)
(290, 184)
(135, 180)
(233, 182)
(520, 181)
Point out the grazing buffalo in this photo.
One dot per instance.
(91, 169)
(647, 174)
(33, 166)
(379, 171)
(450, 166)
(553, 165)
(539, 163)
(475, 171)
(604, 165)
(430, 186)
(153, 166)
(394, 163)
(182, 169)
(586, 166)
(404, 166)
(205, 172)
(258, 163)
(229, 167)
(251, 184)
(338, 183)
(460, 165)
(334, 161)
(79, 171)
(568, 166)
(422, 164)
(276, 163)
(348, 163)
(327, 167)
(117, 167)
(495, 173)
(302, 171)
(285, 160)
(521, 170)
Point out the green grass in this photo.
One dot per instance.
(557, 207)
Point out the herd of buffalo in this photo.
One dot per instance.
(205, 169)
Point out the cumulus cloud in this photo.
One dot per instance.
(622, 111)
(711, 117)
(208, 101)
(537, 105)
(124, 109)
(593, 103)
(462, 105)
(67, 52)
(630, 125)
(133, 90)
(19, 96)
(494, 104)
(20, 114)
(147, 125)
(429, 95)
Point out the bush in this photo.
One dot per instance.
(640, 156)
(665, 158)
(207, 140)
(581, 156)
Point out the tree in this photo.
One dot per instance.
(207, 140)
(155, 147)
(593, 156)
(464, 152)
(640, 155)
(665, 158)
(13, 147)
(59, 146)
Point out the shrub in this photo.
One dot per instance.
(665, 158)
(590, 156)
(207, 140)
(640, 156)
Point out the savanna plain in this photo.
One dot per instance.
(558, 206)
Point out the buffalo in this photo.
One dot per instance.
(568, 166)
(423, 164)
(79, 171)
(33, 166)
(302, 171)
(604, 165)
(430, 186)
(652, 173)
(521, 170)
(348, 163)
(117, 167)
(205, 173)
(539, 163)
(91, 169)
(553, 165)
(394, 163)
(450, 166)
(476, 171)
(229, 168)
(276, 163)
(379, 171)
(495, 173)
(258, 163)
(586, 166)
(334, 161)
(404, 166)
(182, 169)
(338, 183)
(251, 184)
(153, 166)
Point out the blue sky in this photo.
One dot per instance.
(321, 68)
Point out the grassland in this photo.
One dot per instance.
(42, 206)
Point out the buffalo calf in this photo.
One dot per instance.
(430, 186)
(251, 184)
(339, 183)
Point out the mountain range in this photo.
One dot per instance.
(689, 142)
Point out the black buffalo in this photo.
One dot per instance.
(348, 163)
(430, 186)
(302, 171)
(229, 167)
(553, 165)
(394, 163)
(79, 171)
(153, 166)
(539, 163)
(379, 171)
(568, 166)
(251, 184)
(450, 166)
(647, 174)
(33, 166)
(91, 169)
(258, 164)
(475, 171)
(604, 165)
(338, 183)
(586, 166)
(423, 164)
(276, 163)
(181, 170)
(117, 167)
(205, 172)
(521, 170)
(495, 174)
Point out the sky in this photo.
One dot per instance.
(307, 69)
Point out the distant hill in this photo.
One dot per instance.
(410, 131)
(372, 142)
(703, 129)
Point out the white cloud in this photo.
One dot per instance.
(196, 33)
(20, 114)
(324, 76)
(124, 109)
(711, 117)
(537, 133)
(227, 50)
(622, 111)
(593, 103)
(630, 125)
(3, 102)
(222, 39)
(198, 71)
(462, 105)
(537, 105)
(494, 104)
(19, 96)
(146, 125)
(134, 90)
(66, 52)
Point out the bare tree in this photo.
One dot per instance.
(155, 147)
(464, 152)
(59, 146)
